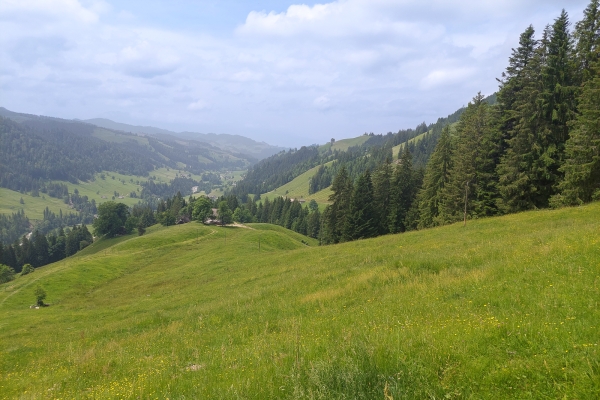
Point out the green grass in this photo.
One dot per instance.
(96, 189)
(345, 144)
(504, 308)
(106, 187)
(298, 188)
(115, 137)
(34, 206)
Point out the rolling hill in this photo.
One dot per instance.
(504, 308)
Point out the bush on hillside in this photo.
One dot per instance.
(27, 269)
(40, 295)
(7, 274)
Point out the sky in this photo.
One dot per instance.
(284, 72)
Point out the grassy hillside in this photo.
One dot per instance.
(33, 206)
(504, 308)
(96, 189)
(298, 188)
(118, 137)
(345, 144)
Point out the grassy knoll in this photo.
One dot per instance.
(504, 308)
(298, 188)
(345, 144)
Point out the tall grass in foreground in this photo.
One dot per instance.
(504, 308)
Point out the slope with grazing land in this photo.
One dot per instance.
(502, 308)
(345, 144)
(32, 206)
(298, 188)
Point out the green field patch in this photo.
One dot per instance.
(345, 144)
(116, 137)
(10, 202)
(298, 189)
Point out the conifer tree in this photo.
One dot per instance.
(582, 165)
(514, 79)
(435, 179)
(587, 38)
(523, 179)
(558, 96)
(402, 193)
(382, 178)
(360, 222)
(40, 249)
(313, 224)
(474, 162)
(337, 212)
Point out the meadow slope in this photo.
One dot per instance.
(504, 308)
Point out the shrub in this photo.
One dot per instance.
(40, 295)
(7, 274)
(27, 269)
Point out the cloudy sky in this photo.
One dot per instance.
(288, 73)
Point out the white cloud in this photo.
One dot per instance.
(246, 76)
(22, 10)
(197, 105)
(322, 103)
(441, 77)
(381, 65)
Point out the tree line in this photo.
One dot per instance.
(39, 249)
(535, 145)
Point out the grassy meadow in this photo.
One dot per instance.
(298, 188)
(345, 144)
(10, 202)
(96, 189)
(502, 308)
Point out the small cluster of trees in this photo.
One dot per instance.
(117, 219)
(376, 204)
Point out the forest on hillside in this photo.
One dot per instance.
(38, 150)
(536, 146)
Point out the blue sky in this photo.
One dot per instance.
(288, 73)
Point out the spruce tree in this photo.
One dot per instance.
(514, 79)
(40, 253)
(402, 193)
(335, 221)
(587, 38)
(381, 195)
(524, 182)
(360, 222)
(558, 96)
(435, 179)
(474, 162)
(582, 165)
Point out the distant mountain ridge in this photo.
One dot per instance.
(237, 143)
(37, 149)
